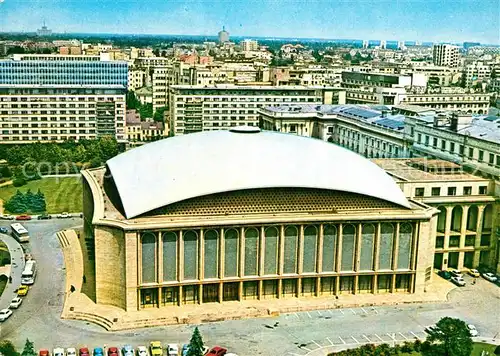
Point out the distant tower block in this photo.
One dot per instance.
(401, 45)
(418, 43)
(383, 44)
(223, 35)
(365, 44)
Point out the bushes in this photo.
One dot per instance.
(27, 202)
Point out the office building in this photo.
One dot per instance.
(162, 240)
(55, 98)
(223, 35)
(445, 55)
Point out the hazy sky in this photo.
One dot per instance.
(422, 20)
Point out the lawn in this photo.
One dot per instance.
(480, 347)
(3, 283)
(61, 194)
(4, 254)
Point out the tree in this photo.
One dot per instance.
(196, 344)
(131, 100)
(5, 172)
(7, 349)
(159, 114)
(146, 111)
(29, 349)
(451, 337)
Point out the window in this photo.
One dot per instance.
(434, 142)
(481, 155)
(471, 152)
(426, 140)
(443, 145)
(467, 190)
(419, 192)
(435, 191)
(452, 191)
(492, 158)
(419, 138)
(483, 190)
(462, 149)
(452, 146)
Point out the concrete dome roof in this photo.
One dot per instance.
(182, 167)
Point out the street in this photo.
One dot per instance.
(301, 333)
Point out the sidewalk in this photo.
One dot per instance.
(15, 270)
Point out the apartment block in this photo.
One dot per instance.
(57, 97)
(445, 55)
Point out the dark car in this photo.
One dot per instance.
(44, 217)
(4, 230)
(23, 217)
(216, 351)
(445, 274)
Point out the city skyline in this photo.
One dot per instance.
(369, 19)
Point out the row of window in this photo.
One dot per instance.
(63, 98)
(451, 191)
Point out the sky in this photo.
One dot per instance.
(409, 20)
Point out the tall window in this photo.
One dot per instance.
(310, 246)
(366, 255)
(231, 253)
(329, 248)
(169, 256)
(290, 254)
(348, 245)
(148, 244)
(404, 248)
(251, 251)
(190, 254)
(386, 245)
(271, 250)
(211, 254)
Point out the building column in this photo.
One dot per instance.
(338, 258)
(139, 258)
(160, 258)
(180, 248)
(447, 228)
(259, 290)
(201, 256)
(319, 259)
(376, 254)
(395, 251)
(463, 233)
(479, 231)
(221, 253)
(179, 302)
(262, 247)
(159, 297)
(281, 259)
(357, 248)
(241, 257)
(240, 291)
(300, 260)
(200, 293)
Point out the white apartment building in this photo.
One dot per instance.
(136, 78)
(476, 71)
(220, 107)
(472, 103)
(445, 55)
(52, 98)
(249, 45)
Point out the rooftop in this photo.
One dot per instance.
(250, 87)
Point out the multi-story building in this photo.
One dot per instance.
(199, 108)
(473, 103)
(136, 78)
(140, 132)
(223, 35)
(436, 75)
(249, 45)
(475, 72)
(465, 236)
(55, 98)
(445, 55)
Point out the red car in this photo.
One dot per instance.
(84, 351)
(44, 353)
(216, 351)
(23, 217)
(113, 351)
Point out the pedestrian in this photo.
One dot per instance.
(72, 288)
(473, 281)
(84, 279)
(10, 279)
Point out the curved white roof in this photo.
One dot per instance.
(183, 167)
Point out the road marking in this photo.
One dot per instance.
(291, 353)
(305, 348)
(366, 337)
(309, 315)
(393, 337)
(380, 338)
(317, 344)
(416, 336)
(357, 342)
(364, 310)
(330, 311)
(342, 340)
(403, 336)
(341, 311)
(331, 343)
(319, 312)
(375, 310)
(296, 315)
(353, 311)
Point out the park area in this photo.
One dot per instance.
(61, 193)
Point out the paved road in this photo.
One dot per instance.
(17, 265)
(305, 333)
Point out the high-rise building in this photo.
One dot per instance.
(223, 35)
(366, 44)
(401, 45)
(249, 45)
(57, 97)
(383, 44)
(445, 55)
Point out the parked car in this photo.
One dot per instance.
(70, 351)
(44, 217)
(142, 351)
(490, 277)
(58, 352)
(84, 351)
(459, 281)
(4, 230)
(15, 303)
(155, 348)
(172, 350)
(64, 215)
(444, 274)
(216, 351)
(7, 217)
(5, 314)
(23, 217)
(113, 351)
(472, 330)
(127, 350)
(474, 272)
(22, 291)
(43, 352)
(456, 273)
(98, 351)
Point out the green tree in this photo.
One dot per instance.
(5, 172)
(29, 349)
(7, 348)
(451, 337)
(196, 344)
(159, 114)
(146, 111)
(131, 100)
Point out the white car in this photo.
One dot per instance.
(490, 277)
(5, 314)
(64, 215)
(472, 330)
(70, 351)
(7, 217)
(58, 352)
(456, 273)
(15, 303)
(172, 350)
(142, 351)
(459, 281)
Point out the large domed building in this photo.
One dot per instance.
(242, 214)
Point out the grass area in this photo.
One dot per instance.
(61, 194)
(479, 347)
(3, 283)
(4, 254)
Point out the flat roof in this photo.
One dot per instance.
(250, 87)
